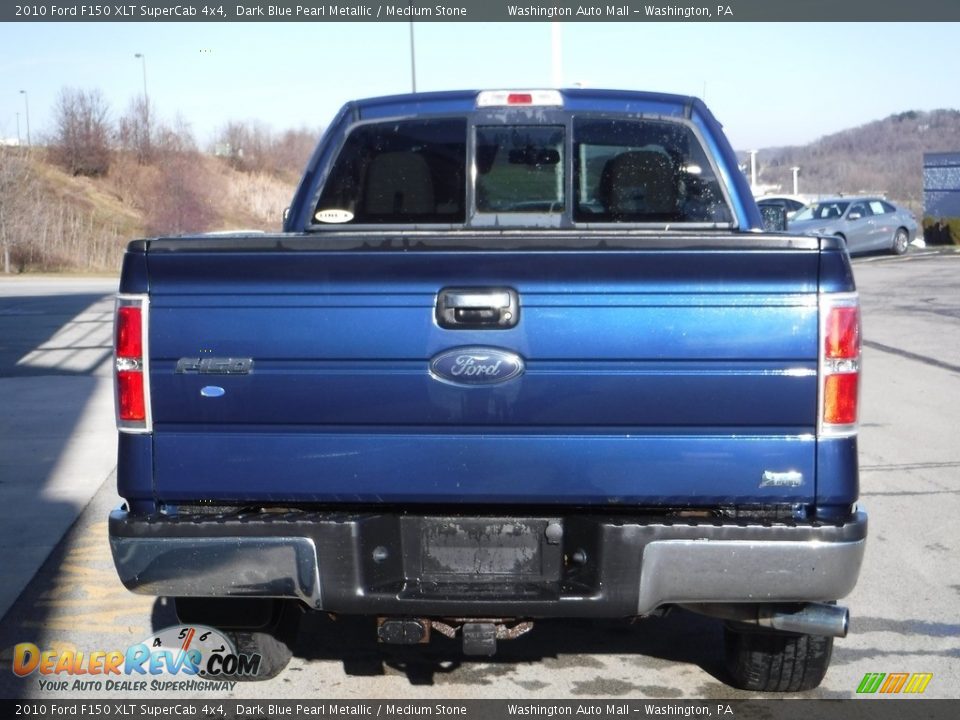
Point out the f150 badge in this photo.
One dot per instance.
(476, 366)
(214, 366)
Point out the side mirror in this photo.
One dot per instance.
(854, 216)
(774, 217)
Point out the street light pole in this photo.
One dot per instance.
(18, 129)
(413, 61)
(556, 56)
(143, 62)
(26, 105)
(143, 144)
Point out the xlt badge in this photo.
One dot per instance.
(476, 366)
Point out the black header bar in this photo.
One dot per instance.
(481, 11)
(211, 708)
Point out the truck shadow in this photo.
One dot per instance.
(52, 351)
(681, 637)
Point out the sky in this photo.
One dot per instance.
(769, 84)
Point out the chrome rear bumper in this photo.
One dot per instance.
(596, 566)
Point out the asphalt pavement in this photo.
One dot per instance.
(57, 441)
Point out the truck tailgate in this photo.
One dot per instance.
(652, 375)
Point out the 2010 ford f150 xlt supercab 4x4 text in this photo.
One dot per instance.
(515, 355)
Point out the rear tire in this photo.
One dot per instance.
(767, 661)
(270, 632)
(901, 242)
(274, 651)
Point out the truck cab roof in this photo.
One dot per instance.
(574, 99)
(535, 158)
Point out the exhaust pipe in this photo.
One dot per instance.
(811, 619)
(805, 618)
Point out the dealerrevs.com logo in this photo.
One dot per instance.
(167, 661)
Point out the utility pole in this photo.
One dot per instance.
(796, 184)
(753, 170)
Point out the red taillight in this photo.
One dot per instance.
(131, 404)
(129, 332)
(840, 364)
(842, 339)
(132, 389)
(840, 399)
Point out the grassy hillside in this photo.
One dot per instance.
(52, 220)
(885, 156)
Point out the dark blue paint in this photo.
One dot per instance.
(134, 277)
(838, 477)
(709, 467)
(135, 470)
(641, 344)
(638, 396)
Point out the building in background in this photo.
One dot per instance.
(941, 198)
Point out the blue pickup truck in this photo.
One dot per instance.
(515, 355)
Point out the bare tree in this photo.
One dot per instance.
(16, 193)
(175, 139)
(251, 147)
(180, 201)
(81, 142)
(241, 144)
(289, 152)
(135, 132)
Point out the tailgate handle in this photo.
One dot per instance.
(477, 308)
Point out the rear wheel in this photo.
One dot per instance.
(768, 661)
(901, 242)
(274, 651)
(257, 627)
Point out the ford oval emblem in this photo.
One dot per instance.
(476, 366)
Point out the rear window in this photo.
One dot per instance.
(624, 171)
(643, 171)
(399, 172)
(519, 169)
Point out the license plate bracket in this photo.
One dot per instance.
(486, 549)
